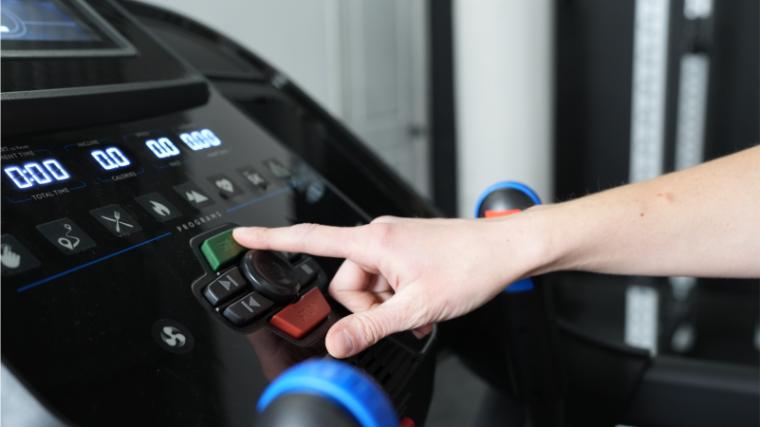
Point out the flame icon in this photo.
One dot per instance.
(159, 208)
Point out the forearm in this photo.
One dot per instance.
(704, 221)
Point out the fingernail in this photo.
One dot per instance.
(345, 344)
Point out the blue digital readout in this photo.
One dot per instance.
(200, 139)
(162, 147)
(35, 174)
(111, 158)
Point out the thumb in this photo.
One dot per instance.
(356, 332)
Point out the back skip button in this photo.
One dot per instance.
(224, 287)
(247, 309)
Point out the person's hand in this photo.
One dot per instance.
(403, 274)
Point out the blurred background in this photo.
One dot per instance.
(387, 69)
(569, 96)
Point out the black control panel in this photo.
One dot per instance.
(108, 299)
(125, 299)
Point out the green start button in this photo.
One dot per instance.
(220, 249)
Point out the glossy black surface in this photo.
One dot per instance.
(91, 332)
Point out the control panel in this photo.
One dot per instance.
(250, 289)
(121, 275)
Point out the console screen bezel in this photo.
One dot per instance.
(107, 41)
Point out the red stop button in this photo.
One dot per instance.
(302, 316)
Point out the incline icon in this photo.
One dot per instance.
(195, 196)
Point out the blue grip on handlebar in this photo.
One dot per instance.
(339, 382)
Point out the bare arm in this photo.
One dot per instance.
(402, 273)
(703, 221)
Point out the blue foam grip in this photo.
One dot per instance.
(343, 384)
(506, 185)
(522, 285)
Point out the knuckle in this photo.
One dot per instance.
(382, 234)
(370, 329)
(422, 314)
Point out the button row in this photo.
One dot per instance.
(70, 239)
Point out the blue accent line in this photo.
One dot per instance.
(259, 199)
(90, 263)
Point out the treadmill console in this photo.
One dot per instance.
(125, 299)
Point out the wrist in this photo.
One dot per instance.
(548, 252)
(530, 242)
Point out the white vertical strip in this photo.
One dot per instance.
(693, 9)
(648, 98)
(692, 107)
(650, 48)
(641, 317)
(692, 95)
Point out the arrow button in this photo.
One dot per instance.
(224, 287)
(247, 309)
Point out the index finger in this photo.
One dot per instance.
(321, 240)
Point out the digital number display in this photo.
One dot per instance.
(35, 174)
(49, 171)
(162, 147)
(200, 139)
(111, 158)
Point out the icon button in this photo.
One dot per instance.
(158, 207)
(224, 287)
(253, 177)
(14, 257)
(278, 169)
(193, 195)
(172, 336)
(66, 236)
(116, 220)
(227, 188)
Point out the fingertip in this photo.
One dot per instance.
(339, 342)
(239, 233)
(245, 235)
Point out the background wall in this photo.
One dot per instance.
(364, 60)
(503, 69)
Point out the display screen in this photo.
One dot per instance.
(110, 158)
(35, 174)
(42, 20)
(46, 170)
(49, 28)
(162, 147)
(200, 139)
